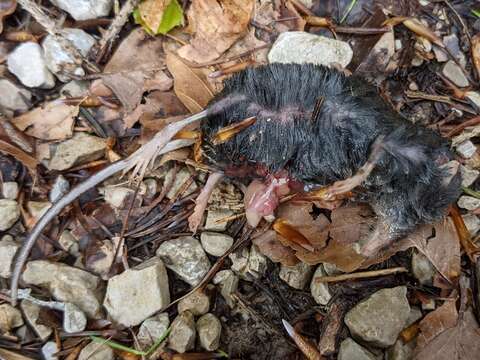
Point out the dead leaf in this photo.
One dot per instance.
(189, 84)
(461, 342)
(54, 121)
(269, 246)
(216, 25)
(436, 322)
(127, 87)
(152, 11)
(476, 52)
(7, 7)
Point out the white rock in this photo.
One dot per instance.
(214, 215)
(454, 73)
(117, 196)
(351, 350)
(469, 202)
(228, 283)
(180, 178)
(183, 333)
(10, 318)
(152, 329)
(27, 63)
(249, 264)
(137, 293)
(67, 284)
(10, 190)
(472, 222)
(69, 243)
(239, 260)
(422, 268)
(216, 244)
(9, 213)
(469, 176)
(320, 292)
(32, 312)
(198, 303)
(296, 276)
(74, 320)
(58, 60)
(209, 330)
(301, 48)
(60, 187)
(8, 249)
(49, 350)
(186, 257)
(14, 98)
(84, 9)
(96, 351)
(81, 148)
(466, 149)
(38, 208)
(401, 351)
(474, 98)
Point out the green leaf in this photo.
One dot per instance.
(172, 16)
(476, 13)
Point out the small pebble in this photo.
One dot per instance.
(469, 175)
(296, 276)
(60, 187)
(216, 244)
(198, 303)
(14, 97)
(466, 149)
(183, 334)
(454, 73)
(209, 330)
(469, 202)
(9, 213)
(50, 349)
(85, 9)
(8, 250)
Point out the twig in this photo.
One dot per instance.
(106, 42)
(360, 275)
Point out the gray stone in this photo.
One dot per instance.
(186, 257)
(209, 330)
(183, 333)
(8, 249)
(379, 319)
(415, 315)
(422, 268)
(10, 318)
(331, 269)
(69, 243)
(468, 202)
(75, 88)
(10, 190)
(14, 98)
(151, 187)
(84, 9)
(466, 149)
(440, 54)
(67, 284)
(228, 283)
(452, 43)
(400, 351)
(320, 292)
(9, 213)
(61, 62)
(301, 47)
(137, 293)
(198, 303)
(469, 176)
(74, 320)
(60, 187)
(32, 312)
(27, 63)
(96, 351)
(216, 244)
(38, 208)
(474, 98)
(152, 329)
(117, 196)
(249, 264)
(296, 276)
(472, 222)
(49, 350)
(454, 73)
(213, 216)
(180, 178)
(351, 350)
(81, 148)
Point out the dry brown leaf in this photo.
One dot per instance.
(216, 25)
(127, 87)
(476, 52)
(269, 246)
(436, 322)
(151, 12)
(54, 121)
(189, 84)
(20, 155)
(7, 7)
(461, 342)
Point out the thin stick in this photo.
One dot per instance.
(106, 42)
(360, 275)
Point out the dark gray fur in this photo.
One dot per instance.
(408, 187)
